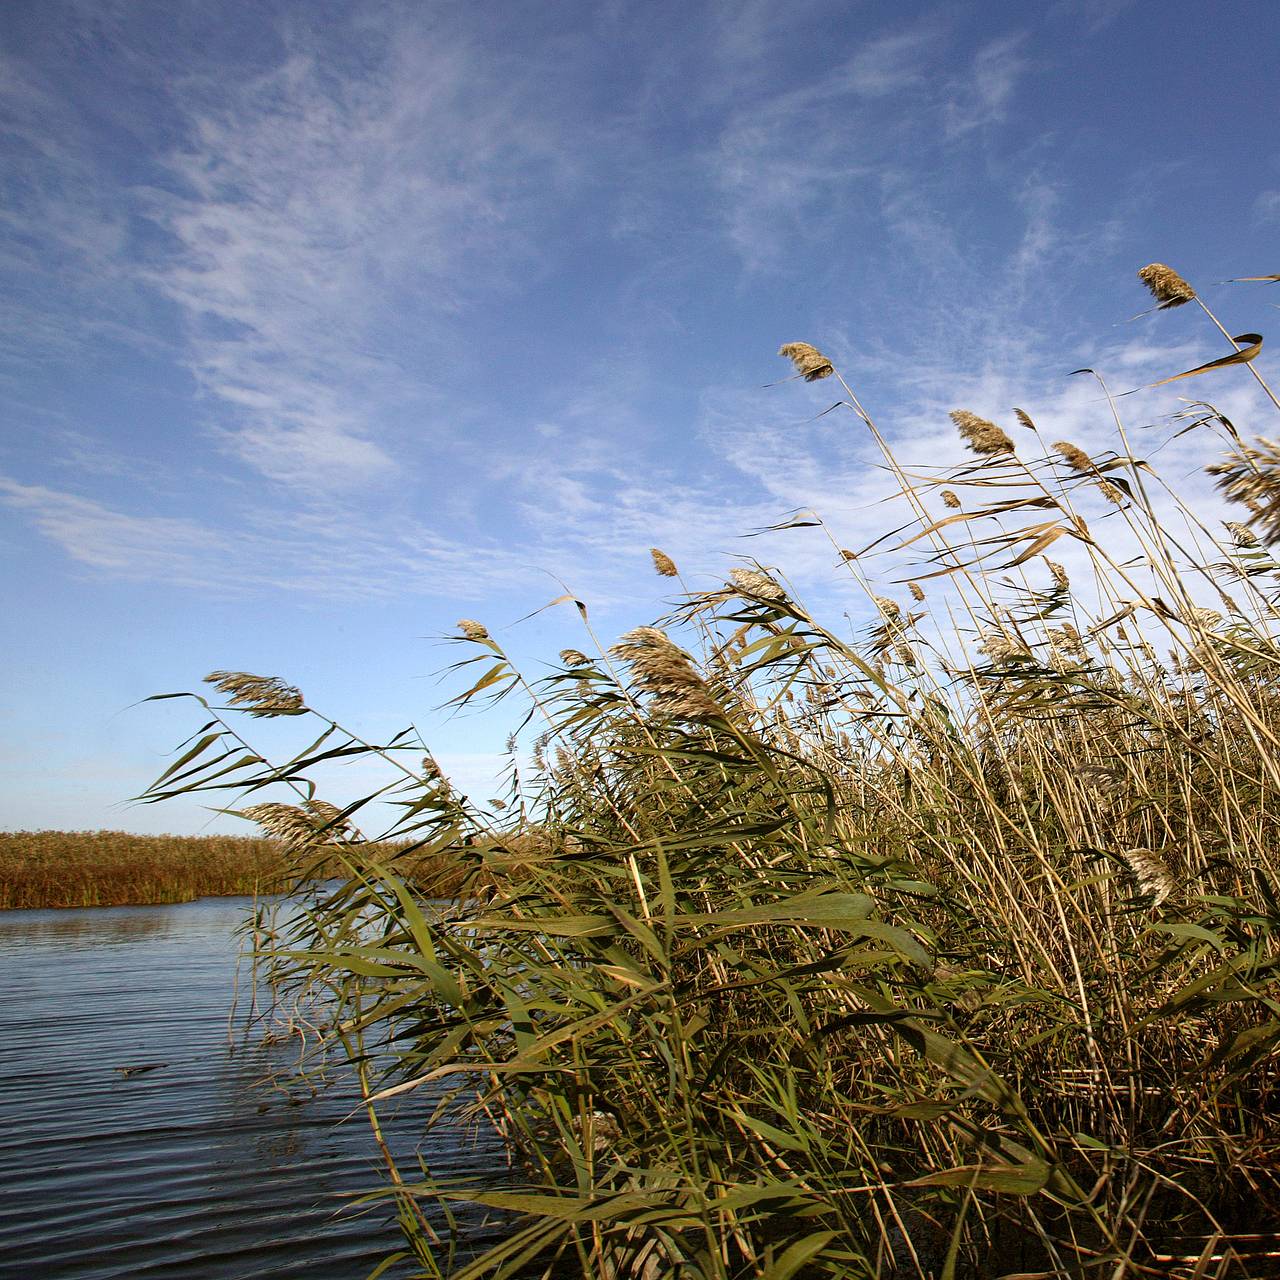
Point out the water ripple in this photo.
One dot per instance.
(212, 1165)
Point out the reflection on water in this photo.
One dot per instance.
(217, 1163)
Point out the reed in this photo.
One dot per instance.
(950, 949)
(120, 868)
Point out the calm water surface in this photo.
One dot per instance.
(219, 1163)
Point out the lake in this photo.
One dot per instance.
(219, 1163)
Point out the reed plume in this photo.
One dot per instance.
(664, 671)
(297, 828)
(1167, 287)
(1251, 476)
(982, 436)
(751, 582)
(1151, 872)
(1075, 457)
(810, 363)
(663, 563)
(261, 696)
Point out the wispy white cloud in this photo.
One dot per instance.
(155, 548)
(892, 63)
(334, 555)
(785, 161)
(982, 95)
(799, 166)
(324, 224)
(1093, 15)
(1266, 208)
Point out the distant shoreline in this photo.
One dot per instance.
(120, 868)
(65, 869)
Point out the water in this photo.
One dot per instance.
(216, 1164)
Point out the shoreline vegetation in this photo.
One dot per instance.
(61, 869)
(940, 940)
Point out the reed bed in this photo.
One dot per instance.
(945, 948)
(120, 868)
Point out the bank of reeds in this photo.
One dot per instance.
(945, 949)
(121, 868)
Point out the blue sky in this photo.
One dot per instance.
(328, 324)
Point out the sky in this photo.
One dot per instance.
(327, 324)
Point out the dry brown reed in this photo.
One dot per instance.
(1075, 457)
(753, 582)
(120, 868)
(261, 696)
(1250, 475)
(665, 672)
(982, 436)
(810, 363)
(663, 564)
(1167, 287)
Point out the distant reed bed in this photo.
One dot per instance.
(119, 868)
(115, 868)
(945, 946)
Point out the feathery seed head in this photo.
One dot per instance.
(1111, 492)
(1251, 475)
(983, 437)
(1001, 647)
(890, 608)
(663, 670)
(1105, 781)
(1204, 619)
(299, 828)
(810, 363)
(1167, 287)
(1025, 418)
(1241, 534)
(663, 563)
(1075, 457)
(574, 658)
(1151, 872)
(1068, 640)
(261, 696)
(330, 824)
(472, 629)
(751, 582)
(949, 499)
(917, 591)
(1060, 579)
